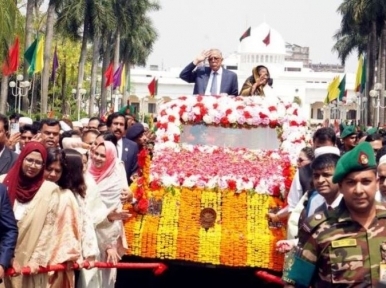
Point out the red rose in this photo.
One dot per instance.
(232, 184)
(272, 108)
(142, 206)
(171, 118)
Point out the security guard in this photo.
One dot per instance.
(345, 247)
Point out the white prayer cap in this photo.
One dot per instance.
(84, 121)
(326, 150)
(25, 120)
(382, 160)
(64, 126)
(77, 124)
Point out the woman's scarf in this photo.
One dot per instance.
(108, 167)
(21, 187)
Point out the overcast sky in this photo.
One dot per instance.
(186, 27)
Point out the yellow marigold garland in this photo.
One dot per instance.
(234, 230)
(261, 238)
(188, 238)
(210, 239)
(168, 225)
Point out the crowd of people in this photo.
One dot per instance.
(62, 193)
(336, 219)
(64, 185)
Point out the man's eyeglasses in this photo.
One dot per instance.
(37, 163)
(214, 58)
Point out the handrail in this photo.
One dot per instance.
(158, 268)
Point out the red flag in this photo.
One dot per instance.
(153, 87)
(12, 62)
(246, 34)
(109, 74)
(267, 39)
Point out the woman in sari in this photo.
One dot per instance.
(106, 171)
(37, 207)
(258, 83)
(65, 168)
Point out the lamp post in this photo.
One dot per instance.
(82, 92)
(117, 99)
(144, 100)
(376, 94)
(19, 89)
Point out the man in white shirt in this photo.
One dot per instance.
(323, 168)
(212, 80)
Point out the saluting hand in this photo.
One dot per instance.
(201, 57)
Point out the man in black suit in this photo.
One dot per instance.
(127, 149)
(212, 80)
(8, 232)
(7, 156)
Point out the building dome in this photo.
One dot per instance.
(254, 43)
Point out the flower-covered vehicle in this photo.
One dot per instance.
(220, 164)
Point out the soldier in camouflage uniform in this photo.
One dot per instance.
(345, 247)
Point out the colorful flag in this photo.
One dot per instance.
(153, 87)
(332, 91)
(117, 78)
(342, 89)
(29, 53)
(246, 34)
(358, 78)
(123, 80)
(109, 75)
(11, 63)
(39, 60)
(55, 65)
(267, 39)
(34, 56)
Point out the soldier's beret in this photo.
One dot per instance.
(372, 131)
(358, 159)
(347, 131)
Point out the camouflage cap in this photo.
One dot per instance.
(347, 131)
(360, 158)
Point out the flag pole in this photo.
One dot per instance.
(53, 94)
(32, 95)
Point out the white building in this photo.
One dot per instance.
(290, 78)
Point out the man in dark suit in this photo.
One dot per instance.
(212, 80)
(7, 156)
(127, 149)
(8, 232)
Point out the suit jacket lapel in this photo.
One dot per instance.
(4, 160)
(206, 79)
(223, 81)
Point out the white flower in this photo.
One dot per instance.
(208, 119)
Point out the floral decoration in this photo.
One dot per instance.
(241, 112)
(237, 183)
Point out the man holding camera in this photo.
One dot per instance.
(212, 80)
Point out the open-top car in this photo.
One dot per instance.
(220, 164)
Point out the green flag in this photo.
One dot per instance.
(29, 53)
(342, 88)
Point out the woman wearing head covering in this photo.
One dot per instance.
(37, 208)
(105, 170)
(257, 82)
